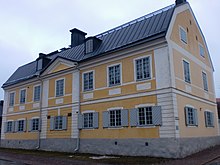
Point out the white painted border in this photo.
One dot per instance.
(107, 70)
(20, 96)
(190, 75)
(34, 92)
(89, 71)
(9, 98)
(88, 111)
(64, 86)
(144, 105)
(115, 108)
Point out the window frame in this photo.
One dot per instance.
(181, 29)
(34, 99)
(7, 126)
(205, 83)
(189, 70)
(135, 67)
(93, 81)
(201, 47)
(59, 123)
(25, 97)
(207, 124)
(11, 105)
(18, 125)
(108, 78)
(32, 124)
(89, 121)
(145, 117)
(193, 117)
(61, 79)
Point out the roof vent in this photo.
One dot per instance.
(179, 2)
(42, 61)
(77, 37)
(91, 44)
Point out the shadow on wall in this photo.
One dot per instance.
(1, 110)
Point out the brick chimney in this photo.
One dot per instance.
(77, 37)
(179, 2)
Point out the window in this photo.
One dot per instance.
(88, 81)
(114, 75)
(22, 96)
(58, 123)
(37, 93)
(186, 71)
(201, 51)
(209, 119)
(11, 99)
(59, 87)
(143, 68)
(183, 35)
(21, 127)
(88, 120)
(9, 126)
(115, 118)
(191, 116)
(145, 116)
(205, 81)
(35, 124)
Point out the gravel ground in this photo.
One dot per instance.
(23, 157)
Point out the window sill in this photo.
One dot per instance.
(141, 80)
(192, 126)
(120, 127)
(146, 126)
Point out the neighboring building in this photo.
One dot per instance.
(1, 110)
(218, 106)
(144, 88)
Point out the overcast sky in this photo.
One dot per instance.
(28, 27)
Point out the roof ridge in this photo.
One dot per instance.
(136, 20)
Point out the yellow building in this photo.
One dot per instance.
(144, 88)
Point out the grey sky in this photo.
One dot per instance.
(30, 27)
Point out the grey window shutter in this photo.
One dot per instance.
(80, 121)
(13, 126)
(157, 116)
(16, 126)
(186, 116)
(30, 125)
(5, 126)
(51, 123)
(25, 125)
(133, 117)
(124, 117)
(206, 119)
(212, 119)
(95, 120)
(195, 117)
(105, 119)
(64, 123)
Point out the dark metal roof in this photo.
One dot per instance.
(132, 32)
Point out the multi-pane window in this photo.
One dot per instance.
(145, 116)
(58, 121)
(88, 120)
(209, 119)
(11, 99)
(115, 118)
(20, 125)
(205, 81)
(183, 35)
(35, 124)
(22, 96)
(59, 87)
(114, 73)
(37, 93)
(186, 71)
(191, 116)
(9, 127)
(88, 81)
(143, 70)
(201, 50)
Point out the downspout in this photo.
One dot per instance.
(40, 119)
(78, 137)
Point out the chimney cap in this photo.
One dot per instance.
(75, 30)
(179, 2)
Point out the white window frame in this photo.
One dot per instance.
(181, 39)
(56, 87)
(135, 69)
(212, 122)
(89, 71)
(25, 95)
(10, 98)
(194, 122)
(18, 125)
(145, 120)
(11, 126)
(120, 65)
(33, 118)
(38, 85)
(201, 46)
(115, 109)
(88, 127)
(58, 123)
(184, 60)
(203, 72)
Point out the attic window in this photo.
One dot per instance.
(89, 46)
(201, 50)
(183, 35)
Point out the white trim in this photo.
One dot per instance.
(120, 66)
(115, 108)
(34, 92)
(89, 71)
(59, 96)
(88, 111)
(9, 98)
(58, 112)
(206, 75)
(144, 105)
(181, 28)
(190, 106)
(190, 76)
(35, 117)
(135, 69)
(207, 110)
(201, 46)
(55, 94)
(20, 96)
(9, 120)
(21, 119)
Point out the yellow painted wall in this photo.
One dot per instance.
(59, 133)
(125, 132)
(201, 130)
(59, 68)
